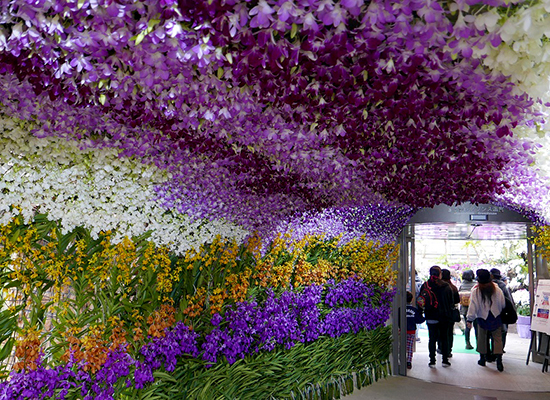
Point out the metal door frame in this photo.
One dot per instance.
(406, 262)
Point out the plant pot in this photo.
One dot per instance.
(524, 326)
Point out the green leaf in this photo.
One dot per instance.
(139, 37)
(293, 30)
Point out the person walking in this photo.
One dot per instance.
(436, 301)
(464, 291)
(486, 303)
(414, 316)
(446, 277)
(497, 278)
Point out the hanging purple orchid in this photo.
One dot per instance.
(267, 108)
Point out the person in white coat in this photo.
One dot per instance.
(486, 304)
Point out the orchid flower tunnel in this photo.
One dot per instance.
(201, 129)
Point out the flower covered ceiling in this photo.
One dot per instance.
(258, 111)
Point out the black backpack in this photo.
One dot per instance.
(427, 299)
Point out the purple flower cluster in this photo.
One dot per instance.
(46, 383)
(377, 222)
(165, 351)
(294, 317)
(41, 383)
(362, 311)
(349, 291)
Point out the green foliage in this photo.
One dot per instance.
(524, 309)
(324, 369)
(89, 294)
(66, 284)
(8, 327)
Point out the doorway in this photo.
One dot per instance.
(464, 222)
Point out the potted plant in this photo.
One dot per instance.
(524, 321)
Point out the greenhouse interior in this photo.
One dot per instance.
(250, 199)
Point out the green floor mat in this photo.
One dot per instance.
(459, 342)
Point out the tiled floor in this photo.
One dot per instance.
(465, 380)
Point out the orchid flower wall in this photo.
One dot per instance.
(192, 124)
(259, 111)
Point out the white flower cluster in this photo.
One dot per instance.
(524, 57)
(524, 54)
(93, 188)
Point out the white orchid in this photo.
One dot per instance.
(93, 188)
(524, 54)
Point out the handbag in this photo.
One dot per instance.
(464, 298)
(455, 315)
(509, 314)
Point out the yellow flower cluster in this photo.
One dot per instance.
(214, 255)
(372, 261)
(216, 300)
(196, 303)
(318, 273)
(100, 265)
(158, 261)
(125, 261)
(254, 245)
(20, 257)
(542, 241)
(238, 285)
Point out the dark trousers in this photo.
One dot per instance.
(450, 336)
(438, 333)
(449, 332)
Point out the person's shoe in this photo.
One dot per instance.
(469, 346)
(431, 364)
(482, 360)
(500, 366)
(446, 364)
(409, 365)
(490, 358)
(450, 355)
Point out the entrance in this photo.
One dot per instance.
(464, 222)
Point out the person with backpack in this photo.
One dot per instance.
(497, 278)
(436, 301)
